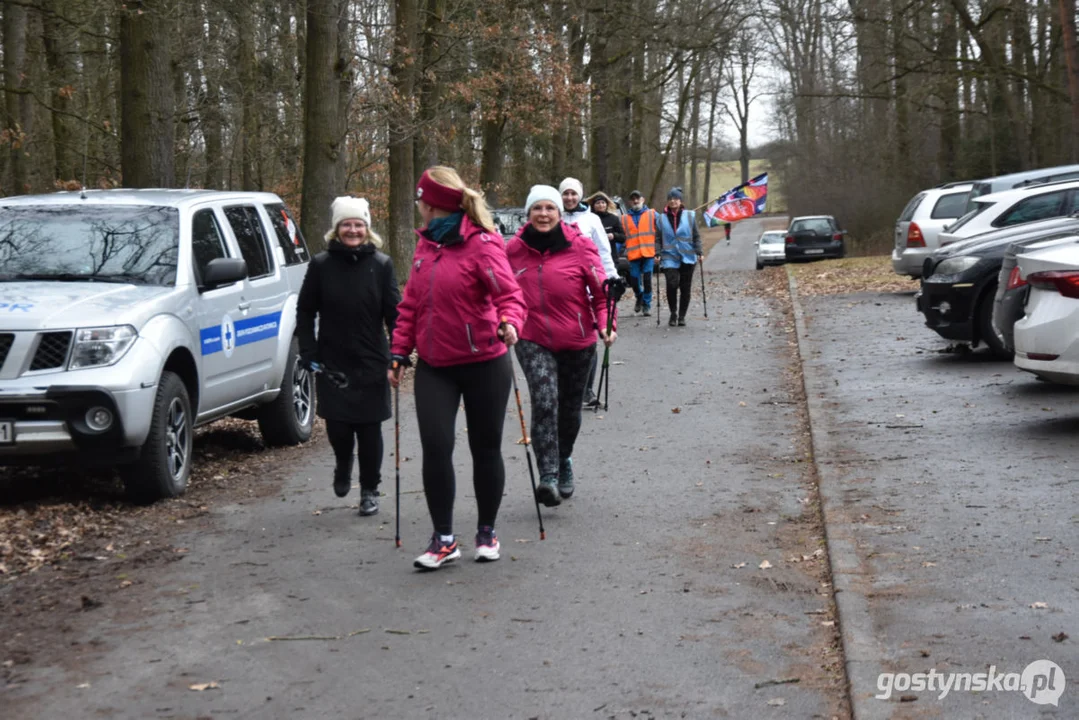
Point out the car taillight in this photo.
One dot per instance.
(914, 236)
(790, 239)
(1015, 280)
(837, 237)
(1065, 282)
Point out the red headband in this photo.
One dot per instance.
(438, 196)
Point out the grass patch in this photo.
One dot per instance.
(850, 275)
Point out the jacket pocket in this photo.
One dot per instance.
(471, 345)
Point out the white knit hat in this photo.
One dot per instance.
(571, 184)
(348, 208)
(543, 192)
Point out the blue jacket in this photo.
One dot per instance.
(681, 245)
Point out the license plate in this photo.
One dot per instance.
(815, 251)
(7, 432)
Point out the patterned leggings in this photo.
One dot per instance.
(556, 384)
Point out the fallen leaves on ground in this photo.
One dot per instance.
(850, 275)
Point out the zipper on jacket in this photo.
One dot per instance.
(543, 305)
(431, 301)
(494, 280)
(471, 345)
(581, 326)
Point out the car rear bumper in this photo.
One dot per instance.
(908, 261)
(1064, 372)
(1009, 310)
(947, 308)
(771, 259)
(830, 250)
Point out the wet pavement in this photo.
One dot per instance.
(949, 484)
(648, 599)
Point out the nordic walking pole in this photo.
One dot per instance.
(615, 288)
(527, 442)
(397, 457)
(704, 295)
(659, 292)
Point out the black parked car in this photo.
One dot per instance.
(959, 283)
(1009, 305)
(814, 237)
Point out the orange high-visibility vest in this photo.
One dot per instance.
(640, 239)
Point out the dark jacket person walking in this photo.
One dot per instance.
(352, 290)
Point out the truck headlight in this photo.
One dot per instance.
(101, 346)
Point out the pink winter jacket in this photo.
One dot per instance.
(556, 285)
(455, 298)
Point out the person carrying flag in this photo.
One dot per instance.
(679, 248)
(727, 231)
(639, 226)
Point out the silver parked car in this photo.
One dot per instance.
(920, 224)
(771, 248)
(130, 317)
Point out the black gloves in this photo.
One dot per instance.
(402, 360)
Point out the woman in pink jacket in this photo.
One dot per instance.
(458, 293)
(561, 275)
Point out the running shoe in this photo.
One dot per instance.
(368, 502)
(565, 478)
(672, 322)
(487, 545)
(438, 553)
(638, 306)
(547, 492)
(647, 311)
(682, 321)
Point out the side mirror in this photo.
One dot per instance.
(223, 271)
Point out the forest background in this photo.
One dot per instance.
(865, 101)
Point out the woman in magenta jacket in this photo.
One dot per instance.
(459, 291)
(561, 275)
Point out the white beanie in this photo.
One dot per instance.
(543, 192)
(571, 184)
(348, 208)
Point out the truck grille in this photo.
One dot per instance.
(5, 345)
(51, 351)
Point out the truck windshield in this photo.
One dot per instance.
(104, 243)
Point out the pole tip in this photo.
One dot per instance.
(397, 541)
(543, 535)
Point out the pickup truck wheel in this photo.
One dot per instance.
(164, 463)
(289, 419)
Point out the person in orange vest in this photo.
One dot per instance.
(639, 225)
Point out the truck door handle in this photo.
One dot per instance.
(245, 306)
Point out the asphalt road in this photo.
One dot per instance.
(647, 600)
(949, 485)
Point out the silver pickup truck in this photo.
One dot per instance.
(130, 317)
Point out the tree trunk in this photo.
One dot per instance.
(694, 122)
(492, 157)
(146, 99)
(430, 87)
(322, 121)
(17, 97)
(66, 148)
(249, 96)
(211, 113)
(708, 194)
(1071, 57)
(402, 173)
(948, 91)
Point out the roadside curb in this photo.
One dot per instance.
(860, 651)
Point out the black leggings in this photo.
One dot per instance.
(556, 385)
(485, 388)
(367, 437)
(679, 277)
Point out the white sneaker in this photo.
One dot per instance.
(438, 553)
(487, 545)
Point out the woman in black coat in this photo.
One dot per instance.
(352, 289)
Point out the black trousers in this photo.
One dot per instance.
(485, 389)
(366, 439)
(679, 279)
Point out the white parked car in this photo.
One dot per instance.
(1012, 207)
(1047, 338)
(920, 224)
(771, 248)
